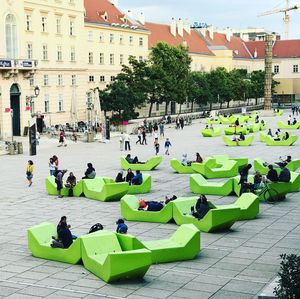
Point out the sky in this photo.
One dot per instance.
(238, 14)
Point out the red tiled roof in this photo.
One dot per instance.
(162, 33)
(281, 48)
(95, 9)
(235, 44)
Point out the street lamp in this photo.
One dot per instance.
(30, 99)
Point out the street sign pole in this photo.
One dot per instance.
(12, 124)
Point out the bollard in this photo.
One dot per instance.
(11, 149)
(20, 148)
(90, 137)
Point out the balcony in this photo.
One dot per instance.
(12, 67)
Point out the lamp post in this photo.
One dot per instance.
(89, 107)
(32, 122)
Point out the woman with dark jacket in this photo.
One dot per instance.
(119, 178)
(244, 179)
(90, 172)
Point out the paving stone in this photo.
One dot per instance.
(36, 291)
(243, 286)
(187, 293)
(222, 294)
(153, 293)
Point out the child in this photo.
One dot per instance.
(29, 172)
(156, 146)
(122, 228)
(167, 146)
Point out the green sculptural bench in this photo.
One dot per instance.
(259, 166)
(51, 188)
(247, 142)
(288, 142)
(150, 164)
(235, 130)
(145, 187)
(211, 132)
(178, 167)
(282, 125)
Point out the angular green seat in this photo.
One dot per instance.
(279, 113)
(199, 185)
(248, 204)
(227, 120)
(282, 125)
(103, 255)
(52, 190)
(290, 141)
(212, 121)
(39, 240)
(147, 166)
(295, 181)
(293, 165)
(259, 166)
(212, 169)
(218, 218)
(242, 162)
(178, 167)
(129, 211)
(263, 127)
(235, 130)
(254, 128)
(184, 244)
(211, 133)
(247, 142)
(145, 187)
(262, 136)
(104, 189)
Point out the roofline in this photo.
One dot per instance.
(199, 53)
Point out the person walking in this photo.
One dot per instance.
(52, 166)
(144, 141)
(62, 138)
(162, 129)
(181, 121)
(167, 146)
(139, 136)
(156, 146)
(127, 142)
(121, 142)
(29, 172)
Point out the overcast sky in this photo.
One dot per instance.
(219, 13)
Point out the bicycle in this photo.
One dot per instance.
(270, 194)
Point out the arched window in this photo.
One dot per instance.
(11, 36)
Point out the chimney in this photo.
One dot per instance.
(114, 2)
(129, 14)
(187, 26)
(255, 53)
(173, 27)
(180, 27)
(228, 34)
(185, 44)
(141, 18)
(211, 31)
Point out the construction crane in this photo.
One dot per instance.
(286, 17)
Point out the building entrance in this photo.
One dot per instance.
(15, 106)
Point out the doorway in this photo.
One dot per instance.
(15, 106)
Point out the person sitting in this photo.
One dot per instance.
(122, 228)
(151, 206)
(70, 183)
(270, 133)
(184, 160)
(137, 179)
(286, 136)
(169, 199)
(258, 181)
(242, 137)
(64, 239)
(294, 121)
(129, 176)
(272, 174)
(237, 122)
(285, 162)
(262, 122)
(90, 173)
(257, 119)
(130, 160)
(244, 179)
(211, 127)
(277, 135)
(235, 138)
(58, 227)
(289, 119)
(119, 177)
(206, 127)
(284, 175)
(201, 208)
(198, 158)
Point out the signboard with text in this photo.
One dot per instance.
(6, 63)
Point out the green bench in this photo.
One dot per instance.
(199, 185)
(179, 168)
(150, 164)
(211, 133)
(288, 142)
(247, 142)
(254, 128)
(282, 125)
(51, 188)
(145, 187)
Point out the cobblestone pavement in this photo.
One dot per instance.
(232, 264)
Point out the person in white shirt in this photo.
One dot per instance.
(127, 142)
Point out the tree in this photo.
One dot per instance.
(238, 84)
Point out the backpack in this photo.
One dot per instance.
(96, 227)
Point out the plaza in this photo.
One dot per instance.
(237, 263)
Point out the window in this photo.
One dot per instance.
(141, 58)
(121, 39)
(295, 68)
(11, 36)
(276, 69)
(60, 80)
(60, 103)
(73, 80)
(90, 36)
(73, 54)
(111, 38)
(58, 26)
(29, 50)
(46, 80)
(111, 59)
(72, 28)
(59, 53)
(91, 57)
(121, 59)
(45, 52)
(130, 40)
(91, 78)
(112, 78)
(46, 103)
(157, 106)
(44, 24)
(101, 37)
(28, 23)
(101, 61)
(141, 41)
(31, 81)
(102, 78)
